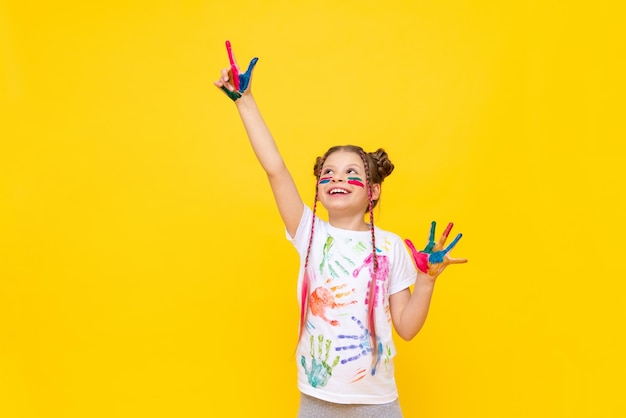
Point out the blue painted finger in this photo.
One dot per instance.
(244, 79)
(452, 244)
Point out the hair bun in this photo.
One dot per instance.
(383, 163)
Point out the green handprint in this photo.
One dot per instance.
(320, 370)
(327, 246)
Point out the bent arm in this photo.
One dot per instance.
(286, 195)
(409, 310)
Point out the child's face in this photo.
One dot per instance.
(342, 184)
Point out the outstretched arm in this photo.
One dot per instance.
(409, 311)
(288, 200)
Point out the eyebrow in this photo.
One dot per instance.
(354, 165)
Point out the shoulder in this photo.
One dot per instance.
(307, 223)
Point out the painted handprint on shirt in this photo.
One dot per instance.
(322, 299)
(326, 250)
(361, 345)
(321, 370)
(381, 274)
(334, 265)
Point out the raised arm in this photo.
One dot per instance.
(288, 200)
(409, 311)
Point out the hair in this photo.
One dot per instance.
(377, 167)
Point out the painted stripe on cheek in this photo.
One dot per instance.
(355, 181)
(325, 180)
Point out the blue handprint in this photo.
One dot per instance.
(362, 345)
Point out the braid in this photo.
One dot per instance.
(306, 279)
(373, 287)
(308, 250)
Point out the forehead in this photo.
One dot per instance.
(343, 158)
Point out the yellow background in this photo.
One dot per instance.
(143, 267)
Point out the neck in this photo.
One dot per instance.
(352, 223)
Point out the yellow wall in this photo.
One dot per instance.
(143, 267)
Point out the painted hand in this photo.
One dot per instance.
(233, 82)
(433, 259)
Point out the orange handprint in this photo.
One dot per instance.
(323, 299)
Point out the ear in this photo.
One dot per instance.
(375, 191)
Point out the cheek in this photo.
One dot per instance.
(356, 181)
(324, 180)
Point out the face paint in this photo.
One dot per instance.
(325, 180)
(356, 181)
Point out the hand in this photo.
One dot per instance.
(433, 259)
(240, 82)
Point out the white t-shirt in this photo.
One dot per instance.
(334, 356)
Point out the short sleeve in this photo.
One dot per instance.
(300, 240)
(403, 274)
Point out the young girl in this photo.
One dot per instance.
(354, 278)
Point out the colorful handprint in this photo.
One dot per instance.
(321, 370)
(328, 245)
(381, 274)
(433, 259)
(322, 299)
(362, 345)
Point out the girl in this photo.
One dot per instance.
(354, 278)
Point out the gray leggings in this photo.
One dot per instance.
(316, 408)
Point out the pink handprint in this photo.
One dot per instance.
(381, 273)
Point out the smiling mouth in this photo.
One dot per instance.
(338, 191)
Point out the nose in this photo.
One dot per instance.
(338, 178)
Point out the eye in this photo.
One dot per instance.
(352, 171)
(327, 171)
